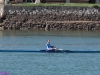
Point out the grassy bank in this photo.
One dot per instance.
(56, 4)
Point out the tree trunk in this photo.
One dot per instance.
(37, 1)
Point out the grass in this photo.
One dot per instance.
(56, 4)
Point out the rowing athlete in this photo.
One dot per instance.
(48, 46)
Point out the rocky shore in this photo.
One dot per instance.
(50, 18)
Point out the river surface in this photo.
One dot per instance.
(50, 63)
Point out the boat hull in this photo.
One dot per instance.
(51, 51)
(37, 51)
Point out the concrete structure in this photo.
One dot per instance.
(97, 1)
(67, 1)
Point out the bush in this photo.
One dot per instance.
(95, 6)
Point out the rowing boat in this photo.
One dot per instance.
(51, 51)
(37, 51)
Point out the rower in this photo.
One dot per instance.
(48, 46)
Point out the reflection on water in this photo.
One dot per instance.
(35, 40)
(1, 33)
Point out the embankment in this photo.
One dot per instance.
(50, 18)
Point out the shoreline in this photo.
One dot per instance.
(50, 18)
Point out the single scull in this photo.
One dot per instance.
(51, 51)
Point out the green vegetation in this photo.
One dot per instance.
(57, 4)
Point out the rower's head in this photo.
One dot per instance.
(48, 40)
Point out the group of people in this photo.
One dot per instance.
(49, 47)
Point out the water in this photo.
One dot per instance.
(50, 63)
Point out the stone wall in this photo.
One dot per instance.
(50, 18)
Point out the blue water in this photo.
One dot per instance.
(50, 63)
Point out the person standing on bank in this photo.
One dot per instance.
(48, 46)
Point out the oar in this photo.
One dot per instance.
(59, 49)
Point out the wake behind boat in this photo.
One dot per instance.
(50, 51)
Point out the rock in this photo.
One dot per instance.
(51, 18)
(1, 28)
